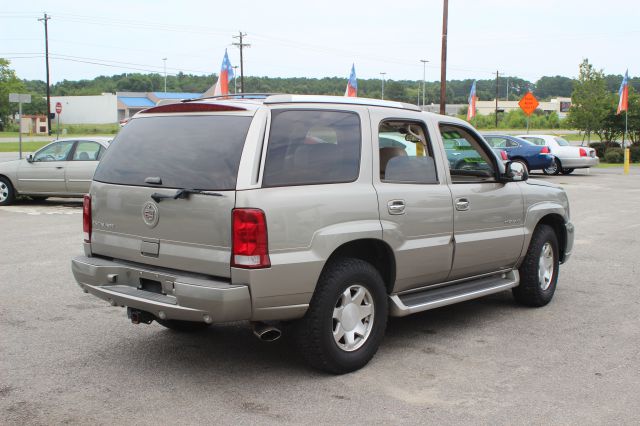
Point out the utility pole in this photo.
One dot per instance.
(382, 74)
(46, 55)
(165, 74)
(443, 60)
(240, 44)
(496, 99)
(235, 79)
(507, 89)
(424, 75)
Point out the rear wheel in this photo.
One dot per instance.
(182, 326)
(554, 168)
(539, 270)
(7, 193)
(346, 319)
(567, 171)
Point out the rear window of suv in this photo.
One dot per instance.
(194, 152)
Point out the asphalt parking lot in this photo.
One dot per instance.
(67, 357)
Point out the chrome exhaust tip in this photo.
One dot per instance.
(266, 332)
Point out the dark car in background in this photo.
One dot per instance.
(532, 156)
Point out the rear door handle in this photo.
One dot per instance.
(59, 167)
(396, 206)
(462, 204)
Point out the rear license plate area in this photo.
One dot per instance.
(152, 286)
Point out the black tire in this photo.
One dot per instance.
(183, 326)
(567, 171)
(554, 168)
(535, 290)
(7, 193)
(315, 332)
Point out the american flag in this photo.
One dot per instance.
(226, 75)
(352, 84)
(623, 103)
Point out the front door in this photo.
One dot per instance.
(414, 202)
(488, 215)
(46, 173)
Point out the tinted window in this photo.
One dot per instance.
(86, 151)
(312, 147)
(195, 152)
(561, 141)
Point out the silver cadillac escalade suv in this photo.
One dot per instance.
(327, 214)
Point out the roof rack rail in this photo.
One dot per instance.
(285, 99)
(234, 96)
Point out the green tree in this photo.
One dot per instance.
(9, 83)
(590, 101)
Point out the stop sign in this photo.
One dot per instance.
(58, 107)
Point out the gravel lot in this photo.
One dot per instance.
(67, 357)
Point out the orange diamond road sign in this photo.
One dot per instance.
(528, 103)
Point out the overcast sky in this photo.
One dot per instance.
(294, 38)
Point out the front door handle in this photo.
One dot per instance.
(462, 204)
(396, 206)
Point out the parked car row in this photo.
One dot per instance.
(63, 168)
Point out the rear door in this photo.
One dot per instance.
(154, 157)
(488, 215)
(414, 200)
(79, 170)
(46, 173)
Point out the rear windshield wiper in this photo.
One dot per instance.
(182, 193)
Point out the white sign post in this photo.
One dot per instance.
(20, 98)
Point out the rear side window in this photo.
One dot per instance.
(194, 152)
(312, 147)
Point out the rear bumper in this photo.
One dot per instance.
(579, 163)
(185, 298)
(540, 161)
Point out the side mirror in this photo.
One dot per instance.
(30, 158)
(515, 171)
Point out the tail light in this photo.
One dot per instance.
(250, 248)
(86, 218)
(504, 155)
(545, 150)
(583, 152)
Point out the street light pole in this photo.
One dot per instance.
(382, 74)
(424, 75)
(165, 74)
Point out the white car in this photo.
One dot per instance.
(567, 158)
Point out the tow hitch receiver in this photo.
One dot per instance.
(137, 316)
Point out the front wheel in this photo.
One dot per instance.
(567, 171)
(553, 169)
(346, 319)
(7, 193)
(539, 270)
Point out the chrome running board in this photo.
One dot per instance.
(410, 303)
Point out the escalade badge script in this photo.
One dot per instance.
(150, 214)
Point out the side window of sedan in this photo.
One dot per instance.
(58, 151)
(87, 151)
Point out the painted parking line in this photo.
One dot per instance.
(42, 210)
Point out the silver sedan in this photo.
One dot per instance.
(63, 168)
